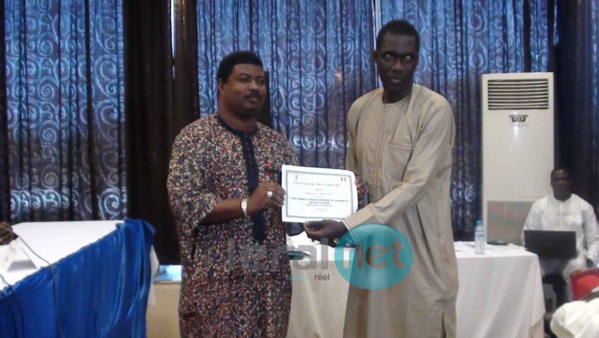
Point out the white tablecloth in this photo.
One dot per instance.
(500, 293)
(52, 241)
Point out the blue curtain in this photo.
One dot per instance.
(317, 53)
(62, 142)
(64, 110)
(460, 41)
(319, 57)
(577, 90)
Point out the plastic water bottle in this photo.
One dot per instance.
(479, 238)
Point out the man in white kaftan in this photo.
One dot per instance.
(565, 211)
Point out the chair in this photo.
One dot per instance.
(583, 282)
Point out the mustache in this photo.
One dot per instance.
(396, 74)
(252, 96)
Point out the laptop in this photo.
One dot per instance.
(551, 244)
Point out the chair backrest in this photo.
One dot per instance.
(583, 282)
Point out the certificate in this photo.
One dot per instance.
(314, 194)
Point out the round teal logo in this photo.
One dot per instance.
(381, 256)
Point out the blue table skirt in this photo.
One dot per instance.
(99, 291)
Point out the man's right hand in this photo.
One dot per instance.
(267, 194)
(6, 234)
(325, 230)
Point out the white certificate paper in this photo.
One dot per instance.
(314, 194)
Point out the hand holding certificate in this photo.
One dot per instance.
(314, 194)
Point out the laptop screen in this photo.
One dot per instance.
(551, 244)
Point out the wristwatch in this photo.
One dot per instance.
(244, 206)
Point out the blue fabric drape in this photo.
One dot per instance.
(577, 91)
(460, 41)
(99, 291)
(64, 85)
(319, 64)
(62, 157)
(318, 54)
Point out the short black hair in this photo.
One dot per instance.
(226, 65)
(398, 27)
(560, 168)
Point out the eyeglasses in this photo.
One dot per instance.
(407, 59)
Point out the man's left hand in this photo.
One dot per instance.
(361, 185)
(326, 229)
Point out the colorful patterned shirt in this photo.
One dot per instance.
(232, 285)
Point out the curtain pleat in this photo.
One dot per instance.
(4, 164)
(577, 89)
(151, 120)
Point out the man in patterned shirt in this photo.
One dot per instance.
(226, 201)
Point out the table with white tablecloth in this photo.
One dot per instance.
(52, 241)
(77, 279)
(500, 293)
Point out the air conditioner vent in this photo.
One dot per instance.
(518, 94)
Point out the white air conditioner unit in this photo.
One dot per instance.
(517, 149)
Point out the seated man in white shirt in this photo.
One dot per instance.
(566, 211)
